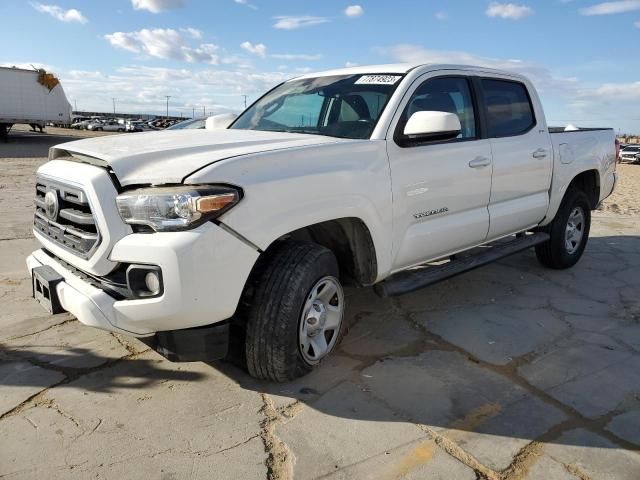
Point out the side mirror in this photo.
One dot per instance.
(220, 122)
(432, 126)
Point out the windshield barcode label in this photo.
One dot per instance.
(377, 80)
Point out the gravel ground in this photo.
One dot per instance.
(509, 372)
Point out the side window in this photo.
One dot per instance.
(444, 94)
(509, 110)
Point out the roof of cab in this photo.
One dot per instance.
(401, 69)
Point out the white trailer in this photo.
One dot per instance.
(33, 97)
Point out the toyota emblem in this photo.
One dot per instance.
(51, 205)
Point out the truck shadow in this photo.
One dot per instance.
(84, 369)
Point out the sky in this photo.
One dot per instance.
(582, 55)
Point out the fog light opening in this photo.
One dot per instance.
(145, 281)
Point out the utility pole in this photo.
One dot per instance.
(167, 97)
(204, 111)
(193, 115)
(75, 104)
(114, 105)
(245, 101)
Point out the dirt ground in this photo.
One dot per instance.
(626, 196)
(509, 372)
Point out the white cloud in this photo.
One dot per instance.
(543, 78)
(607, 8)
(637, 24)
(288, 22)
(59, 13)
(354, 11)
(246, 4)
(194, 32)
(351, 64)
(141, 89)
(441, 16)
(613, 92)
(297, 56)
(156, 6)
(509, 11)
(164, 43)
(259, 49)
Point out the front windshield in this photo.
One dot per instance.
(345, 106)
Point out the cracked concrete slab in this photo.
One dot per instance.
(417, 460)
(345, 416)
(627, 425)
(68, 345)
(584, 451)
(496, 440)
(130, 412)
(496, 333)
(20, 380)
(438, 388)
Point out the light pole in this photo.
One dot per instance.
(167, 97)
(114, 105)
(245, 101)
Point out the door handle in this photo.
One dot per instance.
(540, 153)
(480, 162)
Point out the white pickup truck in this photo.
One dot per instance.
(364, 176)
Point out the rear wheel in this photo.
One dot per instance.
(296, 311)
(569, 232)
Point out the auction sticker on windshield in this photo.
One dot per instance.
(377, 80)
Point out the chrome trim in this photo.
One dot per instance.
(63, 235)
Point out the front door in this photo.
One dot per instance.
(441, 189)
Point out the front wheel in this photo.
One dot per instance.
(296, 312)
(569, 232)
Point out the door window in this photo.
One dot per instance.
(509, 110)
(444, 94)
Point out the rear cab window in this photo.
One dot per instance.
(509, 108)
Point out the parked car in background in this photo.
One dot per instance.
(205, 240)
(629, 154)
(81, 123)
(107, 126)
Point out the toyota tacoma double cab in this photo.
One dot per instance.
(387, 176)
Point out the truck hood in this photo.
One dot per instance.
(172, 155)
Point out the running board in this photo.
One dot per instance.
(411, 280)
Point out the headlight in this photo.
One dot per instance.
(176, 208)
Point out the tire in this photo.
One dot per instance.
(120, 130)
(561, 251)
(287, 279)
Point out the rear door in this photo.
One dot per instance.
(440, 188)
(522, 156)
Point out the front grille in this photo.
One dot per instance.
(63, 214)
